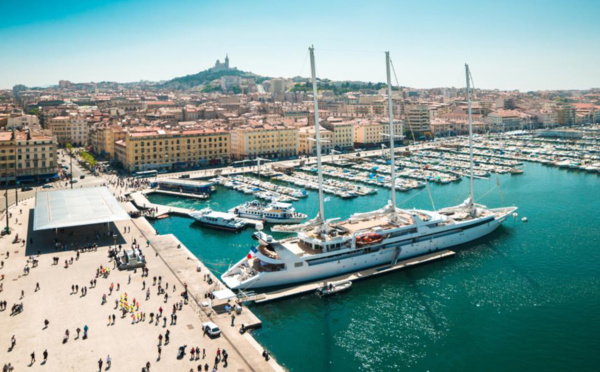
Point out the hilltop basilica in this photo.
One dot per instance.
(222, 66)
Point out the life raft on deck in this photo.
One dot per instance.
(369, 239)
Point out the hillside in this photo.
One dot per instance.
(203, 77)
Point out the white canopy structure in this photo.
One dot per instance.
(224, 294)
(77, 207)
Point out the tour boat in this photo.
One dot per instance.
(218, 220)
(276, 212)
(326, 248)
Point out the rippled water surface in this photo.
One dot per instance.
(527, 297)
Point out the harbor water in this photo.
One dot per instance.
(526, 297)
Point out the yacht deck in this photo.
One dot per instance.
(382, 222)
(299, 248)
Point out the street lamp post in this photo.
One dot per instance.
(71, 156)
(6, 197)
(16, 182)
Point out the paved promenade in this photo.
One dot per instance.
(130, 343)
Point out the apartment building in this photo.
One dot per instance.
(417, 119)
(264, 140)
(307, 144)
(367, 133)
(103, 140)
(162, 149)
(69, 129)
(27, 157)
(20, 121)
(343, 132)
(504, 120)
(567, 115)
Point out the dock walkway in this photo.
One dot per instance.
(177, 193)
(311, 287)
(190, 271)
(140, 200)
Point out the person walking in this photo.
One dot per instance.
(100, 362)
(233, 320)
(33, 357)
(45, 355)
(147, 366)
(37, 287)
(159, 352)
(108, 362)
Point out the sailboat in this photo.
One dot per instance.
(325, 248)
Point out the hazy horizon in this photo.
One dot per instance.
(529, 46)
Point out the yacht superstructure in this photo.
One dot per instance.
(218, 220)
(276, 212)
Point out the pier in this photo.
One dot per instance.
(363, 274)
(139, 200)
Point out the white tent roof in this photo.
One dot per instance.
(77, 207)
(224, 294)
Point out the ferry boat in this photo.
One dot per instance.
(324, 248)
(218, 220)
(276, 212)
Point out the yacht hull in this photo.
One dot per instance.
(392, 252)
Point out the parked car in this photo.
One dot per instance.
(211, 328)
(82, 176)
(73, 181)
(26, 188)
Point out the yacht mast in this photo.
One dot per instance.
(471, 200)
(392, 136)
(321, 216)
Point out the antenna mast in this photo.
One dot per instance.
(392, 135)
(318, 140)
(471, 200)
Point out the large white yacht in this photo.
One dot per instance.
(324, 248)
(276, 212)
(218, 220)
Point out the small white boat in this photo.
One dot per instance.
(332, 288)
(218, 220)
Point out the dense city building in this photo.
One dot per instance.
(272, 141)
(27, 157)
(170, 150)
(250, 116)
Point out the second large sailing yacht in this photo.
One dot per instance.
(325, 248)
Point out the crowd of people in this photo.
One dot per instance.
(119, 285)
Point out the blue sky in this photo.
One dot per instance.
(526, 44)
